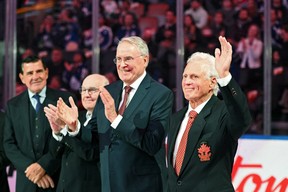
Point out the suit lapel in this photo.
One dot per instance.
(195, 132)
(25, 115)
(138, 97)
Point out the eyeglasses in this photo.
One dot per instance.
(91, 90)
(126, 60)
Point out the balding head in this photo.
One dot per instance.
(90, 92)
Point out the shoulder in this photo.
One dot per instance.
(17, 99)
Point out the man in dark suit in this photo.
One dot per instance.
(4, 187)
(27, 132)
(128, 140)
(80, 161)
(202, 159)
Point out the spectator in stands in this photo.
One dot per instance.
(250, 50)
(279, 82)
(105, 36)
(75, 72)
(228, 16)
(55, 63)
(45, 39)
(110, 8)
(67, 29)
(199, 14)
(276, 28)
(217, 25)
(242, 23)
(169, 25)
(129, 28)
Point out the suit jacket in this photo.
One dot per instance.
(127, 152)
(80, 163)
(4, 187)
(212, 143)
(18, 140)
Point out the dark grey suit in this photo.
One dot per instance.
(22, 146)
(80, 164)
(216, 129)
(4, 187)
(127, 152)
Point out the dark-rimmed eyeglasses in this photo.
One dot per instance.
(126, 60)
(91, 90)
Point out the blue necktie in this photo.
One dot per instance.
(38, 104)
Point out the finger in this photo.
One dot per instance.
(50, 181)
(45, 182)
(217, 53)
(40, 184)
(72, 103)
(52, 107)
(105, 95)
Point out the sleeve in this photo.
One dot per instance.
(239, 117)
(147, 130)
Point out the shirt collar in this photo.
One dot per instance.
(42, 93)
(136, 83)
(198, 109)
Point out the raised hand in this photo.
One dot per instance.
(34, 172)
(68, 114)
(55, 122)
(108, 101)
(223, 58)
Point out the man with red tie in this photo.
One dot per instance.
(130, 121)
(202, 137)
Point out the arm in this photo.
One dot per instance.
(237, 106)
(146, 130)
(14, 154)
(3, 159)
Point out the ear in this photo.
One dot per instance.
(213, 82)
(47, 72)
(22, 78)
(146, 60)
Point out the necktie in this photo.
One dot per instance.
(123, 106)
(38, 104)
(183, 142)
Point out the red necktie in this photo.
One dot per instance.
(123, 106)
(183, 142)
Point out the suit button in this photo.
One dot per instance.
(179, 182)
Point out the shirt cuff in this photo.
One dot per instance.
(224, 81)
(59, 136)
(74, 133)
(116, 122)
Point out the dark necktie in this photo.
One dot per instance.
(123, 106)
(38, 104)
(183, 142)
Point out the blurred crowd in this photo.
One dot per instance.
(64, 40)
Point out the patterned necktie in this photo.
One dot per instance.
(38, 104)
(123, 106)
(183, 142)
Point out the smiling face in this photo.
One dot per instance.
(131, 64)
(34, 76)
(196, 85)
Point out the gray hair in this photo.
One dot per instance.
(207, 64)
(137, 42)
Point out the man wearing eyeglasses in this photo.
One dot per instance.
(80, 161)
(129, 134)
